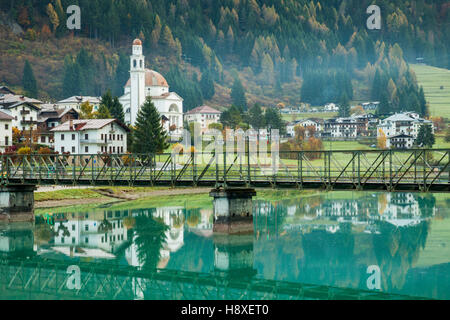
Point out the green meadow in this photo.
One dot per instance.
(432, 79)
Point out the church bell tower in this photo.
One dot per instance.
(137, 76)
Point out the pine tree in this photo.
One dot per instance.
(425, 137)
(29, 81)
(255, 117)
(149, 135)
(122, 74)
(117, 110)
(344, 108)
(238, 94)
(274, 121)
(207, 86)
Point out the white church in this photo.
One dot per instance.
(145, 82)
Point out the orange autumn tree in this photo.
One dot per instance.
(381, 140)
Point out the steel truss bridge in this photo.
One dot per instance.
(406, 170)
(43, 279)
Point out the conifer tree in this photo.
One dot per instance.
(29, 81)
(117, 110)
(344, 108)
(425, 137)
(255, 117)
(207, 86)
(238, 94)
(148, 135)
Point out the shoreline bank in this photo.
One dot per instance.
(69, 196)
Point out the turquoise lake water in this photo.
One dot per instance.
(396, 243)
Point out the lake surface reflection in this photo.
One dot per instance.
(328, 239)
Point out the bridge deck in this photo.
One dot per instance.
(415, 170)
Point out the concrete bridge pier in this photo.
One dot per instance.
(233, 210)
(17, 203)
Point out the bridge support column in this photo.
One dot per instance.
(17, 203)
(233, 210)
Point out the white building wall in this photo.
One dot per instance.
(5, 134)
(91, 142)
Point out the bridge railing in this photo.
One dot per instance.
(420, 169)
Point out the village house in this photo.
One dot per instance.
(50, 117)
(91, 136)
(341, 128)
(75, 102)
(318, 125)
(399, 141)
(204, 115)
(400, 127)
(24, 114)
(5, 131)
(331, 107)
(370, 105)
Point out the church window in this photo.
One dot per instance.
(173, 108)
(134, 63)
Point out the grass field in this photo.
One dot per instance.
(432, 78)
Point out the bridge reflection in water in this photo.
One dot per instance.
(314, 248)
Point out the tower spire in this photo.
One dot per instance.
(137, 75)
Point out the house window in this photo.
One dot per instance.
(73, 227)
(6, 126)
(6, 141)
(42, 139)
(86, 240)
(86, 227)
(101, 136)
(62, 149)
(73, 240)
(73, 136)
(62, 137)
(73, 149)
(86, 136)
(86, 149)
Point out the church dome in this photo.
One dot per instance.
(152, 79)
(137, 42)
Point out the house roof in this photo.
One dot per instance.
(203, 109)
(17, 104)
(14, 98)
(87, 124)
(401, 135)
(80, 99)
(6, 90)
(5, 116)
(399, 117)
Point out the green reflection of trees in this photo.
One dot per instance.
(397, 249)
(149, 239)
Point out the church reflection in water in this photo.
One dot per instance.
(317, 239)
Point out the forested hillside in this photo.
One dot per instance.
(281, 50)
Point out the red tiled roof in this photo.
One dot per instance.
(5, 116)
(203, 109)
